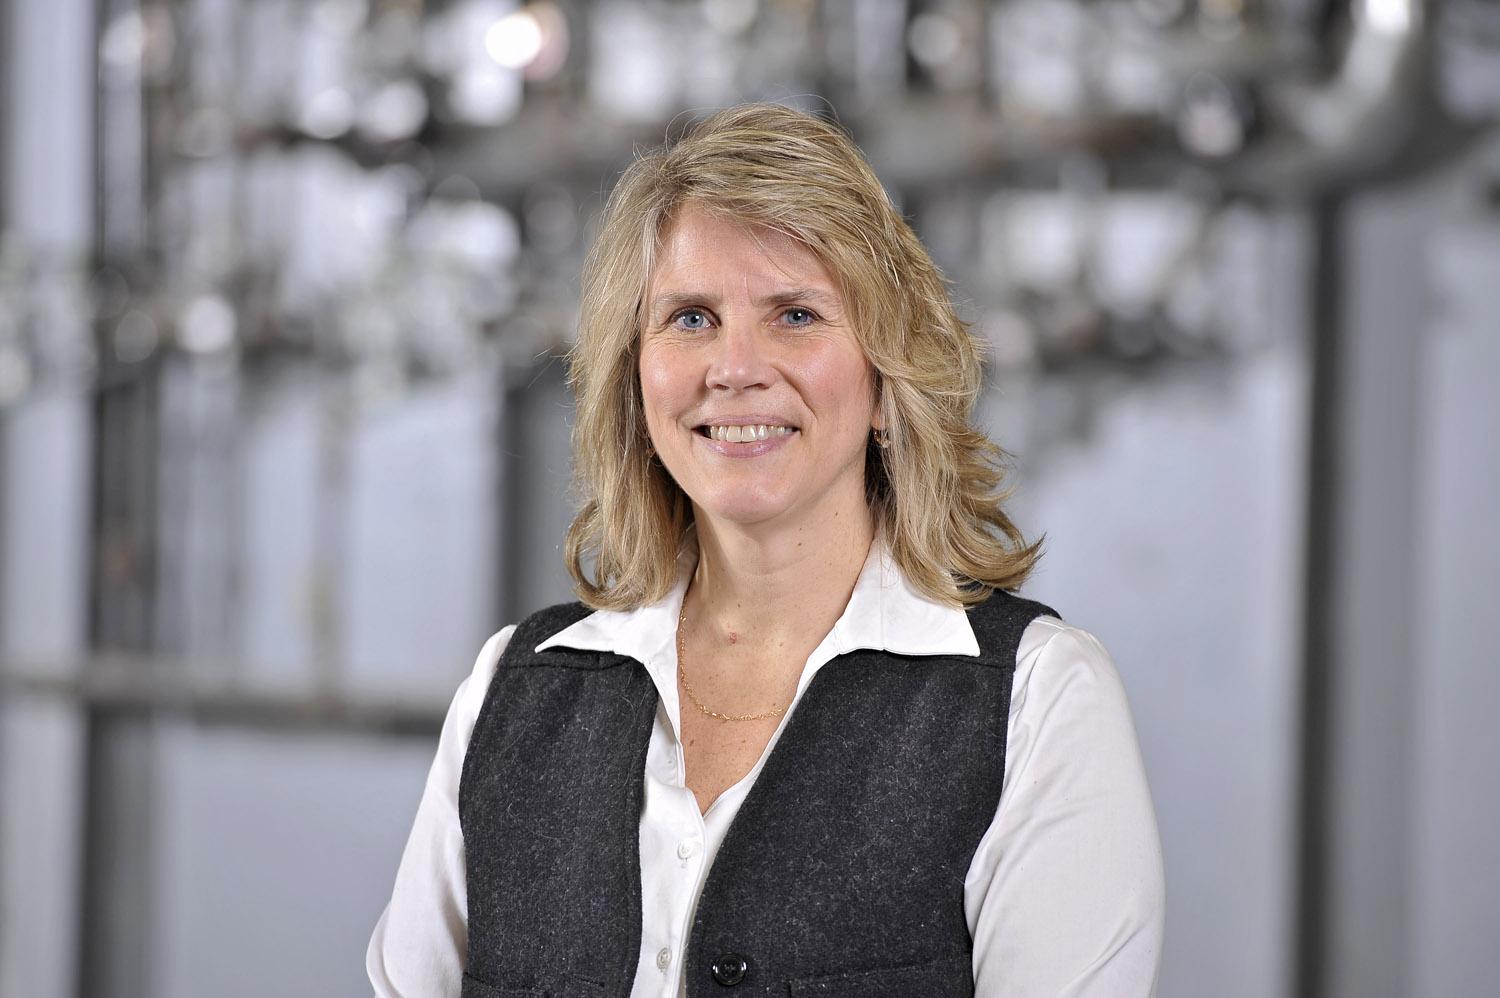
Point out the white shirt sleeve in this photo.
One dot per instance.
(1065, 893)
(420, 943)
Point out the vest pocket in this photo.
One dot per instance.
(950, 975)
(475, 988)
(571, 987)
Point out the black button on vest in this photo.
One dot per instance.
(729, 969)
(841, 874)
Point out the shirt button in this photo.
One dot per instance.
(663, 957)
(729, 969)
(686, 848)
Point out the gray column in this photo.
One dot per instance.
(46, 217)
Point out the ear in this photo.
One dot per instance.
(877, 411)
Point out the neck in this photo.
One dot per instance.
(777, 586)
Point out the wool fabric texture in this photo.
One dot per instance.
(841, 875)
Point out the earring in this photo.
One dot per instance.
(882, 438)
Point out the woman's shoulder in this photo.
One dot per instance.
(1062, 666)
(540, 625)
(529, 632)
(1003, 619)
(471, 691)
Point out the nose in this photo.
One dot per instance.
(739, 360)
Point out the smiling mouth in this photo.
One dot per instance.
(746, 434)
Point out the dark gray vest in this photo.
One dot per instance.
(841, 875)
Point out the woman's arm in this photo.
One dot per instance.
(419, 944)
(1065, 893)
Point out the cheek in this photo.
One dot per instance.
(846, 383)
(664, 392)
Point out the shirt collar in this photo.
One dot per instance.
(884, 613)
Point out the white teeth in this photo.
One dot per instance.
(744, 434)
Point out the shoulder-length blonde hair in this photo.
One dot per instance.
(934, 490)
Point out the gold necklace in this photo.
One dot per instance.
(681, 629)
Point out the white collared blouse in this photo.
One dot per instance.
(1064, 895)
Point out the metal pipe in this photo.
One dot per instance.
(1309, 922)
(1355, 125)
(137, 685)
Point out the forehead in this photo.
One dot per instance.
(697, 245)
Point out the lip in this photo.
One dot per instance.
(746, 448)
(751, 420)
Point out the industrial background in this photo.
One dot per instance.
(285, 285)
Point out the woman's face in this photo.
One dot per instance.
(758, 396)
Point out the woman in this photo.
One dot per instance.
(800, 737)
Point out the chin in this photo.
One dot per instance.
(740, 508)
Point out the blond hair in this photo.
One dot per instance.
(934, 491)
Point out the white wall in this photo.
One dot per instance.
(1456, 807)
(273, 855)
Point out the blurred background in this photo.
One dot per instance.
(285, 284)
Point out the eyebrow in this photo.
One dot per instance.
(669, 301)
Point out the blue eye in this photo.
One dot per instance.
(690, 318)
(799, 317)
